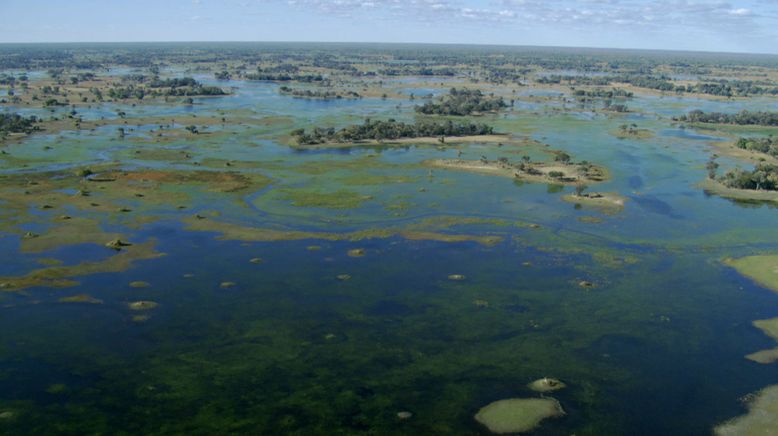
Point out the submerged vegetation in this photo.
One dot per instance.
(388, 264)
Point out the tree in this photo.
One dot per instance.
(712, 166)
(580, 187)
(562, 157)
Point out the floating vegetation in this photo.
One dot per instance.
(81, 298)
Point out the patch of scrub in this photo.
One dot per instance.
(518, 415)
(762, 417)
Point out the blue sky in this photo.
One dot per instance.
(712, 25)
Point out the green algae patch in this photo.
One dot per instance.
(69, 232)
(763, 269)
(341, 199)
(518, 415)
(761, 419)
(62, 276)
(236, 232)
(375, 180)
(81, 298)
(445, 237)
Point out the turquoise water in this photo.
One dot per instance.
(656, 347)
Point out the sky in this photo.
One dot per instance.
(707, 25)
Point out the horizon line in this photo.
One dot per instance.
(460, 44)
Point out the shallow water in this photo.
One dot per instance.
(656, 347)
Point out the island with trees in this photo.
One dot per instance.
(462, 102)
(389, 130)
(318, 94)
(742, 118)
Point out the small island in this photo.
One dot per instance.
(461, 102)
(390, 130)
(561, 172)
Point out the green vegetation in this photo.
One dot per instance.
(602, 93)
(742, 118)
(717, 87)
(762, 177)
(767, 145)
(285, 77)
(462, 102)
(318, 94)
(15, 123)
(387, 130)
(183, 87)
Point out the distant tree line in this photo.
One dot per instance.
(419, 71)
(156, 87)
(462, 102)
(742, 118)
(723, 87)
(285, 77)
(318, 94)
(602, 93)
(390, 129)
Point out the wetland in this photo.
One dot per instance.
(288, 238)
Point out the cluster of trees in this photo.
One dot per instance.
(768, 145)
(285, 77)
(602, 93)
(173, 83)
(15, 123)
(462, 102)
(743, 118)
(156, 87)
(419, 71)
(732, 88)
(722, 87)
(7, 79)
(318, 94)
(763, 177)
(390, 129)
